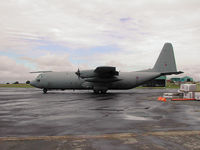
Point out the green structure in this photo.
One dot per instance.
(161, 81)
(183, 79)
(175, 79)
(161, 78)
(187, 79)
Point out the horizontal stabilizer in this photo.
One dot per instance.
(170, 73)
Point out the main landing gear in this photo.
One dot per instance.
(100, 91)
(44, 90)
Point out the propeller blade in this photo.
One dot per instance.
(78, 73)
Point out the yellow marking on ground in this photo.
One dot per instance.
(174, 133)
(70, 137)
(104, 136)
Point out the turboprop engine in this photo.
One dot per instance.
(86, 74)
(103, 72)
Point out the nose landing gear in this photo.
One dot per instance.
(100, 91)
(44, 90)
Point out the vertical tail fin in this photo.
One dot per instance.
(166, 61)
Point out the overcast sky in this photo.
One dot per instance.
(62, 35)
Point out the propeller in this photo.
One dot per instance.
(78, 73)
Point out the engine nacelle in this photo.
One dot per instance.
(101, 72)
(86, 74)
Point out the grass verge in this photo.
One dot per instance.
(169, 85)
(22, 85)
(198, 87)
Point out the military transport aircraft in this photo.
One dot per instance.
(105, 78)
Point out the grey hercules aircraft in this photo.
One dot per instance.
(105, 78)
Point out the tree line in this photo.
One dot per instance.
(17, 82)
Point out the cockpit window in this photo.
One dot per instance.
(40, 76)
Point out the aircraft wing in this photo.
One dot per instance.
(102, 74)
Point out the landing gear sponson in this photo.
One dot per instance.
(95, 91)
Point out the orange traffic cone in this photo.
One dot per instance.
(164, 99)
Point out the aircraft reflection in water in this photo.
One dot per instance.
(105, 78)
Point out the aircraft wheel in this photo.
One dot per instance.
(103, 91)
(96, 91)
(44, 91)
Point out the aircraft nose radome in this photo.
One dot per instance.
(32, 83)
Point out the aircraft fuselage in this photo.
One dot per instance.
(105, 78)
(69, 80)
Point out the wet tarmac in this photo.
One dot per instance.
(83, 120)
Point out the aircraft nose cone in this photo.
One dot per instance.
(32, 83)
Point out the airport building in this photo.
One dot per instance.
(183, 79)
(161, 81)
(175, 80)
(187, 79)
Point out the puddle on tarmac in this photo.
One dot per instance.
(131, 117)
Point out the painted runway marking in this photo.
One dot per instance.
(104, 136)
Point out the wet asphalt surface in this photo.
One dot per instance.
(28, 112)
(81, 120)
